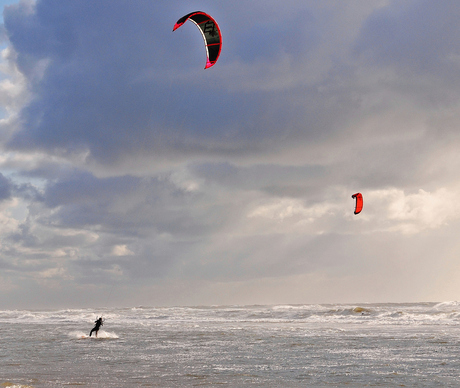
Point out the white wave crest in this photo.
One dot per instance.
(101, 334)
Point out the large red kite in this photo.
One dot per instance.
(210, 31)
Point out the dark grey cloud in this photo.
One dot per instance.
(109, 78)
(5, 187)
(263, 39)
(92, 94)
(417, 35)
(417, 42)
(127, 205)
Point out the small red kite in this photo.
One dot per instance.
(359, 202)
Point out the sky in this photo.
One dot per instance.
(131, 176)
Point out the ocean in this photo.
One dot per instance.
(328, 345)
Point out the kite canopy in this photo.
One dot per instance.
(359, 202)
(210, 31)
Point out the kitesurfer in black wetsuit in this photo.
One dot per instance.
(96, 328)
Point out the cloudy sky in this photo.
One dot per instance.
(132, 176)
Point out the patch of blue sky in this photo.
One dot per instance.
(6, 2)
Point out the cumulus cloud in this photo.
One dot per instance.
(424, 210)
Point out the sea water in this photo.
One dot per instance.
(412, 345)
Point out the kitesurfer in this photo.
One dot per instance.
(96, 327)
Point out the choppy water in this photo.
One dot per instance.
(265, 346)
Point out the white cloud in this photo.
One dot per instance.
(8, 222)
(410, 213)
(424, 210)
(121, 250)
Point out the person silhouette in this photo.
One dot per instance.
(98, 323)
